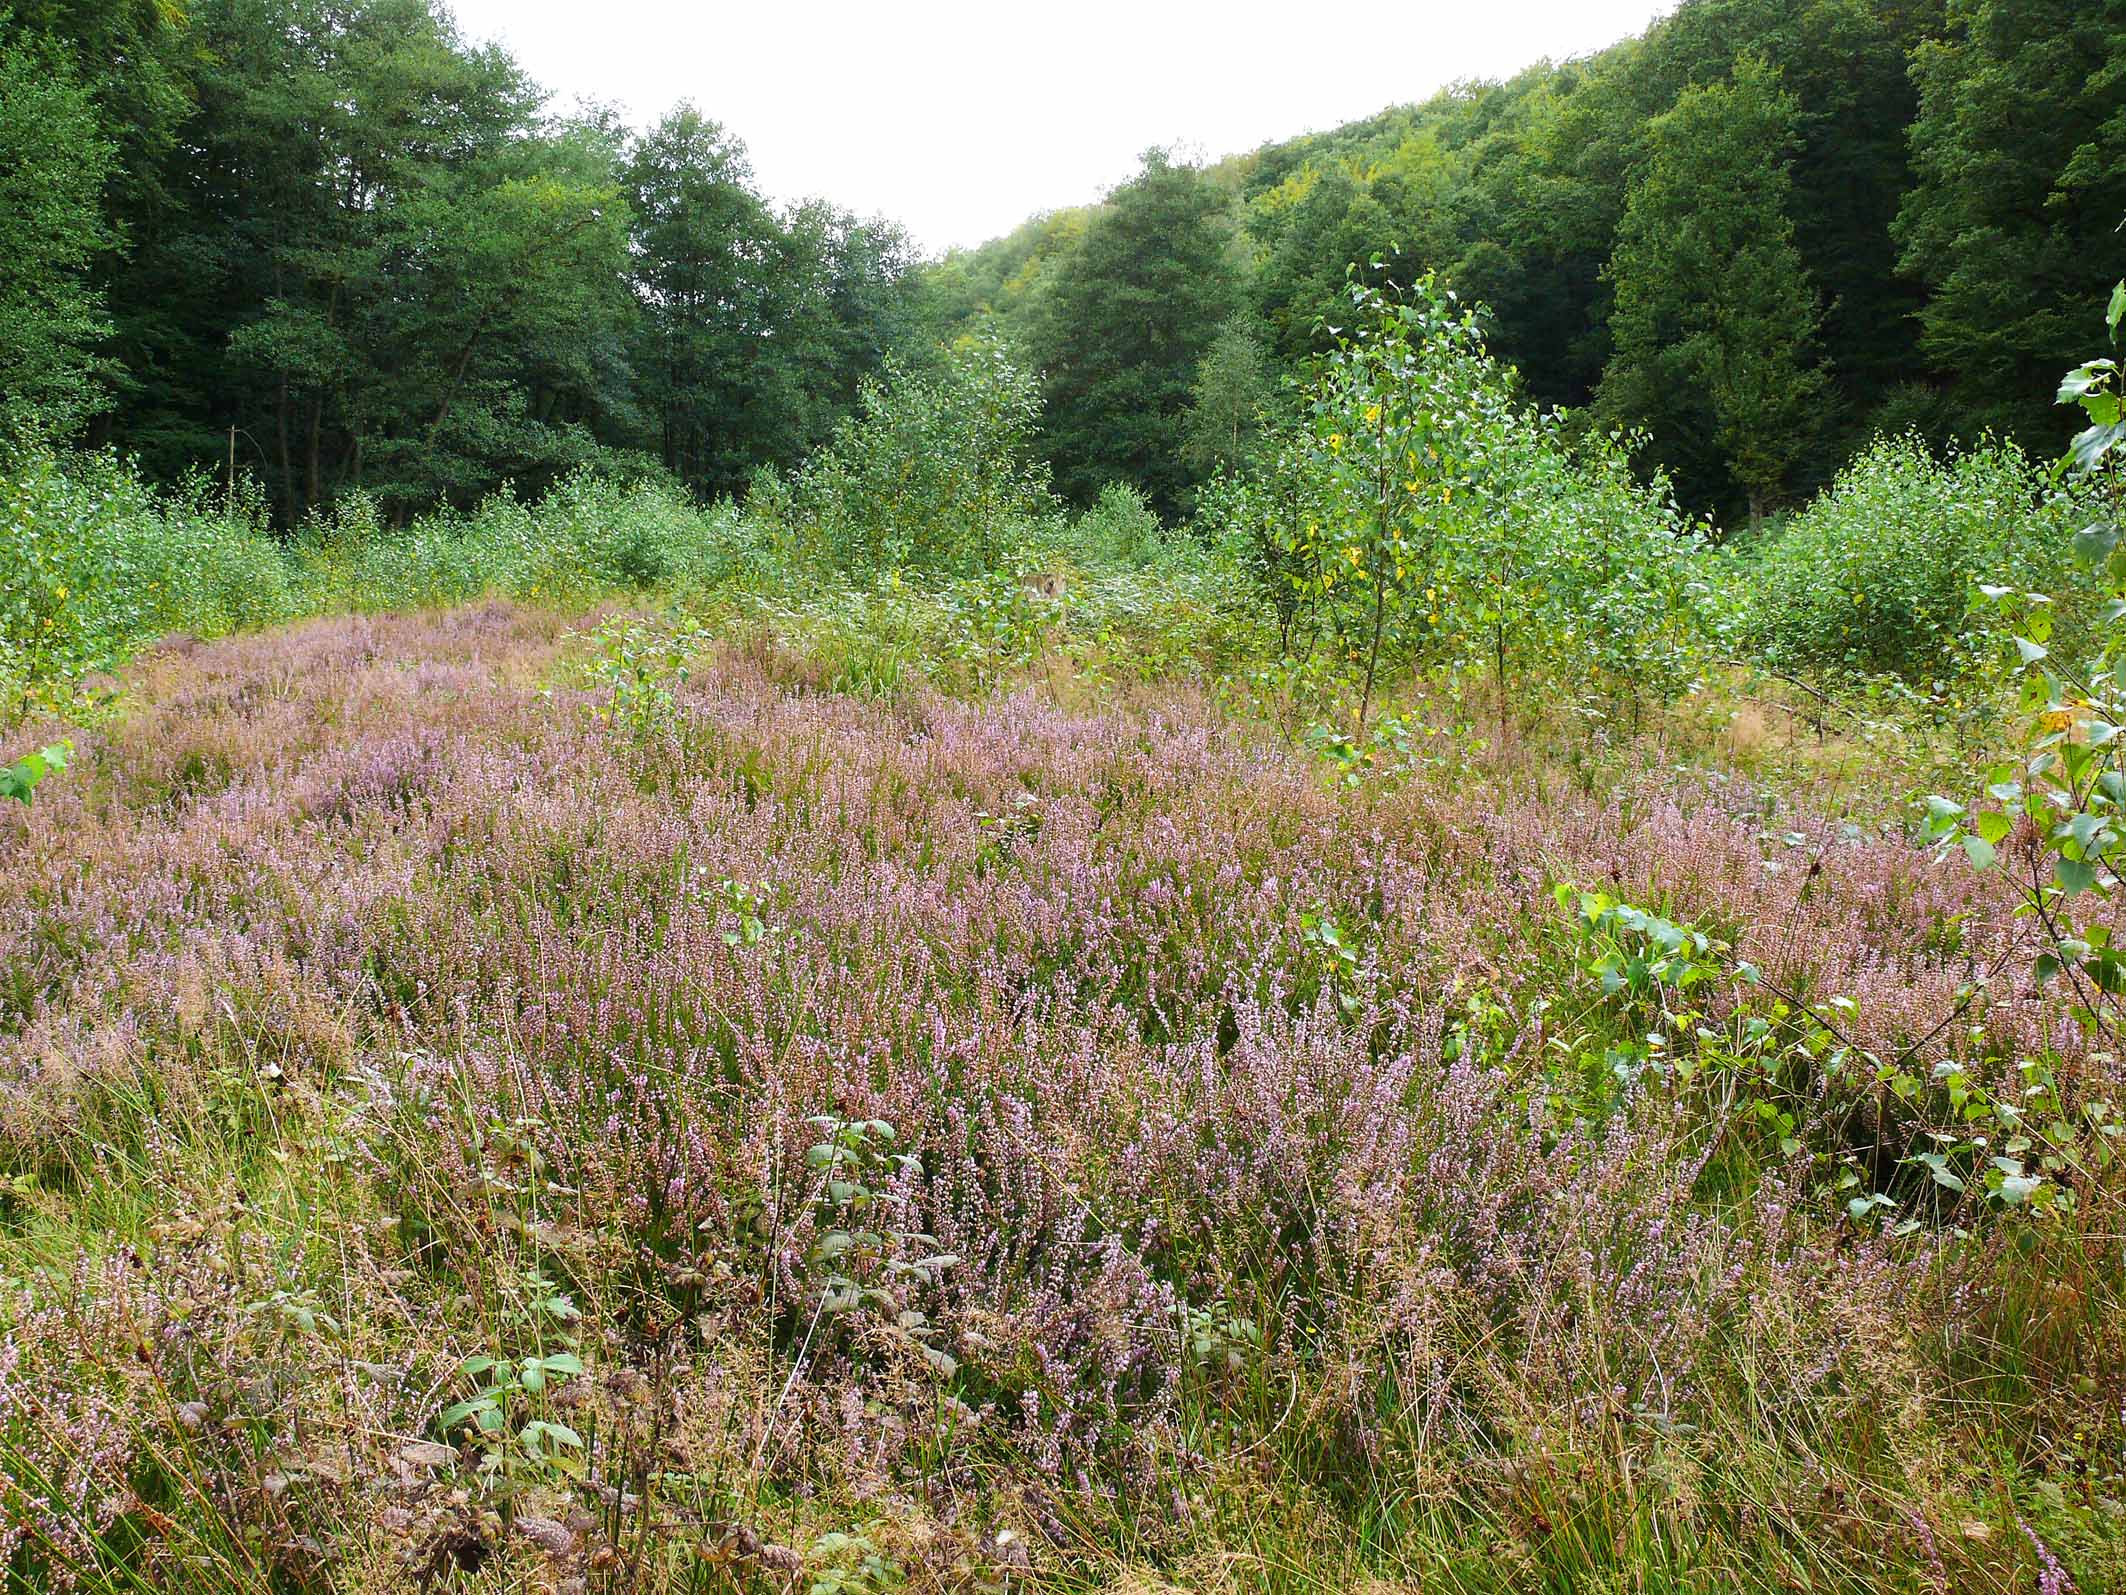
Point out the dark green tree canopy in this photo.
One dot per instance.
(1715, 319)
(2012, 224)
(1946, 193)
(53, 164)
(369, 255)
(335, 235)
(1125, 324)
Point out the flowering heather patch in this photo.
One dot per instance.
(453, 1134)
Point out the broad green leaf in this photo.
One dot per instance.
(2074, 874)
(2084, 379)
(2090, 448)
(453, 1415)
(2093, 543)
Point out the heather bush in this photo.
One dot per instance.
(489, 1104)
(874, 1063)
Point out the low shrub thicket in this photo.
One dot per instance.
(94, 563)
(928, 476)
(1877, 574)
(1421, 519)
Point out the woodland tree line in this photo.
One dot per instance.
(374, 250)
(1761, 232)
(1754, 236)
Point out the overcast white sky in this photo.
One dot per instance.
(961, 119)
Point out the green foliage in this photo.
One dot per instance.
(2011, 223)
(1395, 748)
(1875, 575)
(1268, 518)
(510, 1418)
(1234, 393)
(1791, 1083)
(1396, 420)
(403, 278)
(1715, 319)
(374, 262)
(1424, 516)
(862, 1270)
(21, 779)
(928, 476)
(1119, 529)
(639, 664)
(54, 159)
(845, 1563)
(1515, 192)
(748, 908)
(2054, 820)
(705, 288)
(1122, 331)
(753, 331)
(94, 563)
(1335, 955)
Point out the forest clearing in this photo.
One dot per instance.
(1388, 865)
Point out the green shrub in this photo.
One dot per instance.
(929, 476)
(94, 563)
(1877, 574)
(1426, 517)
(1120, 529)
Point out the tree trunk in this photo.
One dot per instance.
(280, 428)
(1365, 698)
(314, 471)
